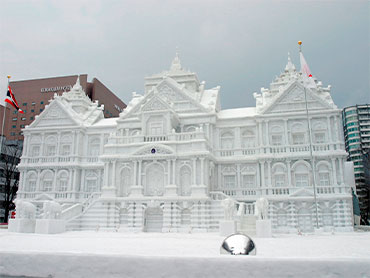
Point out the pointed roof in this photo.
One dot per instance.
(176, 63)
(289, 66)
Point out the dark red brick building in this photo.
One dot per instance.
(33, 95)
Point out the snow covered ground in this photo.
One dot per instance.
(109, 254)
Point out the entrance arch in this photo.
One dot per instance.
(154, 180)
(153, 220)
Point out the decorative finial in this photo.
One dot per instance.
(300, 45)
(77, 86)
(9, 77)
(176, 63)
(289, 66)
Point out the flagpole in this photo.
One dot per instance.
(2, 128)
(311, 153)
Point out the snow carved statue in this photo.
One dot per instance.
(52, 210)
(228, 205)
(25, 210)
(261, 208)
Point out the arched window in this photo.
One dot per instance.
(276, 136)
(35, 150)
(324, 174)
(91, 181)
(62, 181)
(229, 178)
(65, 145)
(185, 181)
(279, 176)
(47, 181)
(248, 175)
(50, 146)
(301, 175)
(35, 144)
(248, 139)
(125, 181)
(298, 134)
(227, 141)
(31, 182)
(154, 179)
(319, 133)
(94, 147)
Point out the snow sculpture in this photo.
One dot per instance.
(261, 208)
(52, 210)
(25, 210)
(228, 205)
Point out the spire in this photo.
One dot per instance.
(289, 66)
(176, 63)
(77, 86)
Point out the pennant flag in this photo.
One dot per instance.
(306, 73)
(12, 101)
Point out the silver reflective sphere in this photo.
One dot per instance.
(238, 244)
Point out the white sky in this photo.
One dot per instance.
(239, 45)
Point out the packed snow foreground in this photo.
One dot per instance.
(114, 254)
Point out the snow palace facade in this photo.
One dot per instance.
(172, 155)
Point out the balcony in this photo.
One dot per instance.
(253, 193)
(59, 159)
(57, 195)
(283, 149)
(178, 137)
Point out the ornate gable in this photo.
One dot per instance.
(154, 104)
(303, 192)
(54, 115)
(154, 150)
(293, 99)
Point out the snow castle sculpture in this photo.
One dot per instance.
(171, 157)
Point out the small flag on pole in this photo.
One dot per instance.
(306, 73)
(12, 101)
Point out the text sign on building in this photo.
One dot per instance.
(56, 89)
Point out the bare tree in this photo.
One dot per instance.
(9, 159)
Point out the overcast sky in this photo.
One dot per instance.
(239, 45)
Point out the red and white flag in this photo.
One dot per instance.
(12, 101)
(306, 73)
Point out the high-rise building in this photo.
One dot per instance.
(356, 125)
(33, 95)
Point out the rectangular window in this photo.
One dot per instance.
(66, 149)
(31, 118)
(319, 137)
(14, 126)
(324, 179)
(15, 112)
(229, 181)
(35, 150)
(23, 119)
(301, 180)
(41, 102)
(298, 138)
(32, 110)
(23, 126)
(50, 150)
(41, 110)
(276, 139)
(156, 128)
(279, 180)
(24, 103)
(33, 103)
(249, 181)
(48, 185)
(12, 133)
(14, 119)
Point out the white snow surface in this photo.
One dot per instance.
(112, 254)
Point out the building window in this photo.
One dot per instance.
(31, 118)
(319, 137)
(41, 110)
(249, 181)
(227, 141)
(66, 149)
(14, 126)
(23, 126)
(32, 110)
(41, 102)
(14, 119)
(33, 103)
(298, 138)
(63, 182)
(324, 179)
(276, 139)
(156, 128)
(229, 181)
(15, 112)
(301, 180)
(25, 104)
(248, 139)
(35, 151)
(12, 133)
(23, 119)
(279, 180)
